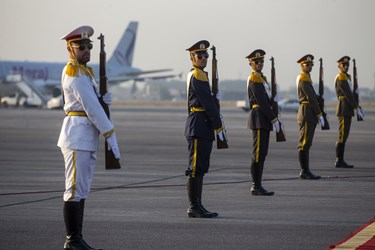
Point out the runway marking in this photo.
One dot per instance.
(144, 184)
(361, 239)
(139, 184)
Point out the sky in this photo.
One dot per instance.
(286, 30)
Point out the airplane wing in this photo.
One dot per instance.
(49, 83)
(119, 79)
(148, 72)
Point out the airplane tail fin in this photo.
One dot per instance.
(124, 52)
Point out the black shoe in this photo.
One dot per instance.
(340, 150)
(76, 244)
(79, 244)
(307, 175)
(194, 188)
(197, 212)
(261, 191)
(88, 246)
(214, 214)
(342, 164)
(73, 216)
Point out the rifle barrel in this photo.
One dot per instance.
(110, 161)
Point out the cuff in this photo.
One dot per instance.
(219, 129)
(107, 134)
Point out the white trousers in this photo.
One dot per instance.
(79, 173)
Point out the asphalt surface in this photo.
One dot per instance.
(143, 205)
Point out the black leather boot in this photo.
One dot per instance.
(195, 209)
(80, 225)
(303, 156)
(256, 173)
(72, 217)
(200, 186)
(340, 163)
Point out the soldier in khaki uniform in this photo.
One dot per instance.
(344, 109)
(309, 114)
(85, 119)
(261, 119)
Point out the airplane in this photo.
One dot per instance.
(47, 75)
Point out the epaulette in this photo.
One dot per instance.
(200, 75)
(73, 70)
(342, 77)
(305, 77)
(256, 78)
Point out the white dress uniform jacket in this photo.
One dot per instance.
(81, 94)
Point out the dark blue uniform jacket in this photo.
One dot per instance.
(206, 118)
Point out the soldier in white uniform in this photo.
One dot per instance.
(85, 120)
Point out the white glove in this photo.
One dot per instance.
(276, 98)
(360, 113)
(220, 135)
(321, 120)
(107, 98)
(276, 125)
(357, 91)
(218, 95)
(112, 144)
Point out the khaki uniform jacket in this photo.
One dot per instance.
(308, 110)
(261, 114)
(82, 132)
(346, 102)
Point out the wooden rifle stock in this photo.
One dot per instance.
(355, 89)
(280, 136)
(215, 89)
(110, 161)
(320, 97)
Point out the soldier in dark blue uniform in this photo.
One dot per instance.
(261, 119)
(203, 120)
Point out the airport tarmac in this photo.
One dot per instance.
(143, 205)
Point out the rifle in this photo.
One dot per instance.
(280, 136)
(215, 89)
(320, 97)
(110, 161)
(355, 90)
